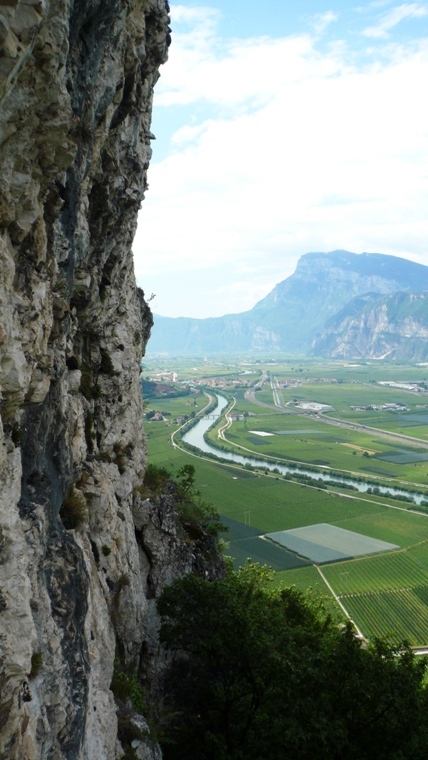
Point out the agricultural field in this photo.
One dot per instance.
(194, 368)
(385, 593)
(308, 437)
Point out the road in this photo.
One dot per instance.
(250, 395)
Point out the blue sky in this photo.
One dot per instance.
(282, 127)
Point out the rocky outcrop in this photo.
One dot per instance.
(76, 85)
(377, 327)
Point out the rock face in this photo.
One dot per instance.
(76, 85)
(376, 327)
(295, 310)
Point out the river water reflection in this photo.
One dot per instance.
(195, 437)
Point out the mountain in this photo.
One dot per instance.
(291, 315)
(375, 327)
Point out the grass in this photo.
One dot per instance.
(176, 407)
(392, 525)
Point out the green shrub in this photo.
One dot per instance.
(105, 550)
(74, 510)
(17, 435)
(120, 458)
(155, 477)
(125, 686)
(106, 366)
(104, 456)
(122, 582)
(89, 431)
(143, 491)
(36, 664)
(197, 518)
(86, 381)
(261, 673)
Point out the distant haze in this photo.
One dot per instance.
(333, 304)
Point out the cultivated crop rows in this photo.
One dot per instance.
(402, 614)
(395, 570)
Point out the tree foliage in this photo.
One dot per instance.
(263, 674)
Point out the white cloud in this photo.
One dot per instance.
(323, 20)
(235, 72)
(391, 19)
(307, 153)
(188, 133)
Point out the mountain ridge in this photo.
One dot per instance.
(295, 310)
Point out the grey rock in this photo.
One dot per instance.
(76, 88)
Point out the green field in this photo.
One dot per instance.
(385, 593)
(309, 439)
(400, 614)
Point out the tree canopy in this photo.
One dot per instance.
(263, 673)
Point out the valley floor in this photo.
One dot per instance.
(386, 593)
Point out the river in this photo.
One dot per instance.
(195, 437)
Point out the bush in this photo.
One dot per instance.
(89, 431)
(17, 435)
(86, 381)
(36, 664)
(120, 458)
(155, 477)
(106, 366)
(74, 509)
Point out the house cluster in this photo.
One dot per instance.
(221, 382)
(164, 377)
(384, 408)
(313, 406)
(405, 386)
(295, 382)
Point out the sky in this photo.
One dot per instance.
(282, 127)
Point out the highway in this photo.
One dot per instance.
(251, 395)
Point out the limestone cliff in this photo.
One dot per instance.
(76, 572)
(375, 327)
